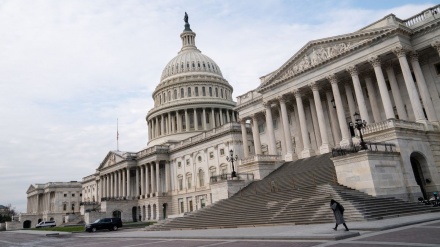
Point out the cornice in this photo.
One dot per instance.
(259, 99)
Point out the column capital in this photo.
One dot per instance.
(242, 120)
(281, 98)
(414, 56)
(332, 78)
(353, 70)
(254, 117)
(400, 50)
(436, 44)
(315, 86)
(297, 92)
(267, 104)
(375, 61)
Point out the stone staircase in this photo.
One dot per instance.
(296, 193)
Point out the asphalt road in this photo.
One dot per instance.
(424, 234)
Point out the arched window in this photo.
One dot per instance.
(221, 93)
(201, 178)
(175, 93)
(169, 96)
(216, 92)
(189, 92)
(196, 91)
(182, 93)
(180, 182)
(226, 94)
(164, 98)
(210, 91)
(160, 99)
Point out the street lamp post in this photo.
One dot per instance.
(359, 124)
(231, 159)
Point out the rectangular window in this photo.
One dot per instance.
(65, 195)
(189, 182)
(222, 151)
(64, 207)
(180, 183)
(73, 195)
(179, 164)
(188, 162)
(211, 155)
(73, 206)
(261, 128)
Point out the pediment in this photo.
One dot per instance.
(30, 189)
(317, 52)
(111, 159)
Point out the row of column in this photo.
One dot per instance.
(180, 121)
(147, 182)
(342, 135)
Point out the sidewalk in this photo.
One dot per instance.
(285, 232)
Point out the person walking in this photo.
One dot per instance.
(338, 211)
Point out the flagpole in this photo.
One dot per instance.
(117, 134)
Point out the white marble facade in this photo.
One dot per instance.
(389, 72)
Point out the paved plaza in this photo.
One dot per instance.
(416, 230)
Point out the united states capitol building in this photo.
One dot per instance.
(386, 74)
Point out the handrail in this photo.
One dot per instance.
(371, 146)
(224, 177)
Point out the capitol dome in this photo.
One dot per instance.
(192, 96)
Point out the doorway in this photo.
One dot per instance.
(416, 163)
(134, 214)
(27, 224)
(164, 207)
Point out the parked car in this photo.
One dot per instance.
(50, 223)
(112, 224)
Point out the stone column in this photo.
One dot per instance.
(124, 183)
(244, 137)
(256, 134)
(315, 122)
(142, 191)
(372, 96)
(204, 119)
(287, 136)
(157, 126)
(170, 125)
(307, 151)
(167, 176)
(186, 120)
(136, 187)
(179, 122)
(162, 125)
(423, 89)
(333, 118)
(233, 116)
(359, 94)
(107, 189)
(325, 147)
(119, 183)
(346, 138)
(222, 121)
(147, 180)
(400, 52)
(383, 90)
(157, 179)
(149, 130)
(213, 118)
(196, 120)
(270, 131)
(350, 100)
(128, 183)
(396, 92)
(153, 180)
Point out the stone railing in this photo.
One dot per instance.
(224, 128)
(153, 149)
(392, 123)
(433, 11)
(261, 157)
(369, 146)
(223, 177)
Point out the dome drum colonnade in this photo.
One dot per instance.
(342, 134)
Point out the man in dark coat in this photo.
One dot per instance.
(338, 211)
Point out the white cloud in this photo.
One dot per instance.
(70, 68)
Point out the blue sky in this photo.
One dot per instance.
(69, 69)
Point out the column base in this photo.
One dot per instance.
(290, 157)
(345, 142)
(324, 148)
(306, 153)
(428, 125)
